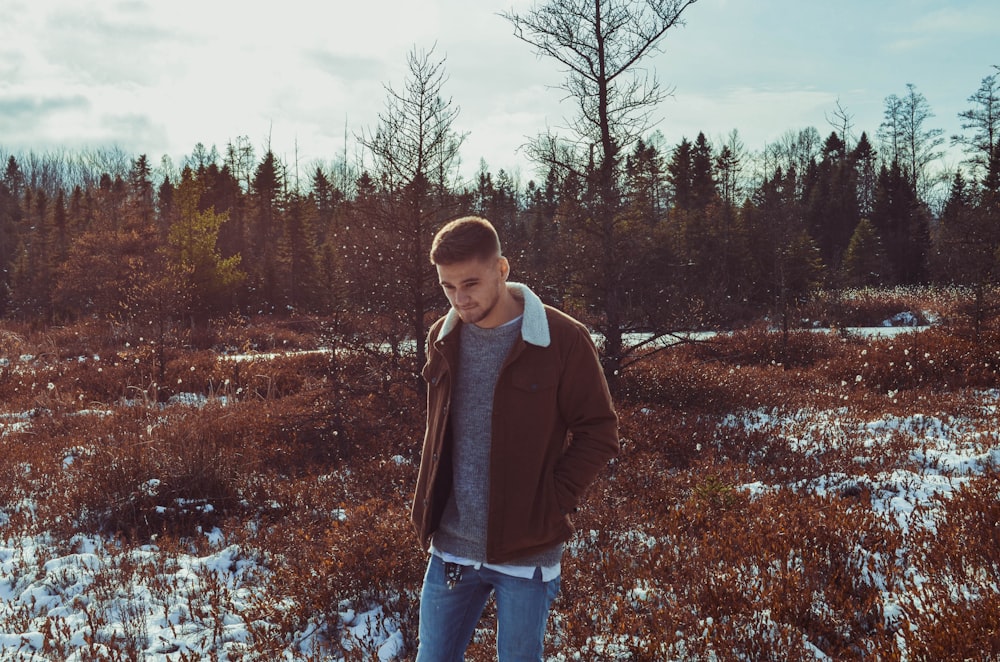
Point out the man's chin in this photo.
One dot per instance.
(470, 316)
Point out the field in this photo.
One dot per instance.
(821, 495)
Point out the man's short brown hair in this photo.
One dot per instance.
(464, 239)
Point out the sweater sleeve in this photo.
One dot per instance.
(586, 406)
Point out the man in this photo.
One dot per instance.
(519, 423)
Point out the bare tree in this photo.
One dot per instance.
(415, 136)
(415, 152)
(601, 44)
(240, 158)
(910, 143)
(794, 152)
(984, 119)
(890, 132)
(729, 166)
(843, 122)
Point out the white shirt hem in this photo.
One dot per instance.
(549, 572)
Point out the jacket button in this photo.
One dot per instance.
(434, 457)
(434, 381)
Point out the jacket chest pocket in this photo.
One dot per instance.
(530, 411)
(434, 372)
(534, 383)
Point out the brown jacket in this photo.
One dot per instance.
(554, 429)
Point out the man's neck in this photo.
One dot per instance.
(507, 309)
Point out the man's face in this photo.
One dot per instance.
(474, 287)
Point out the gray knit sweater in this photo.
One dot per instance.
(462, 531)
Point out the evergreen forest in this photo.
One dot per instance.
(636, 236)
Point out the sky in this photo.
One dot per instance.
(307, 78)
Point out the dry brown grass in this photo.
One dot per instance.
(708, 535)
(872, 306)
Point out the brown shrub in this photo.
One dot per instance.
(105, 378)
(936, 358)
(266, 334)
(870, 307)
(332, 563)
(761, 346)
(12, 342)
(671, 379)
(27, 462)
(148, 474)
(954, 609)
(687, 379)
(740, 576)
(83, 338)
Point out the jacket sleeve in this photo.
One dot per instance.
(586, 406)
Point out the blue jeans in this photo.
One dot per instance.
(448, 616)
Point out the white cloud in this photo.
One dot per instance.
(158, 77)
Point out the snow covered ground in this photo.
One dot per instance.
(94, 597)
(174, 606)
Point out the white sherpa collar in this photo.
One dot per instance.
(534, 326)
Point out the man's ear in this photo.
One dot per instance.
(504, 267)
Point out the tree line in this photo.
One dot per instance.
(626, 231)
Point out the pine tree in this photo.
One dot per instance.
(703, 191)
(222, 192)
(968, 243)
(165, 206)
(330, 209)
(33, 270)
(300, 255)
(60, 229)
(107, 269)
(787, 258)
(728, 166)
(646, 182)
(864, 158)
(680, 176)
(832, 212)
(194, 257)
(141, 189)
(704, 235)
(263, 234)
(543, 246)
(328, 200)
(10, 221)
(958, 233)
(902, 222)
(864, 259)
